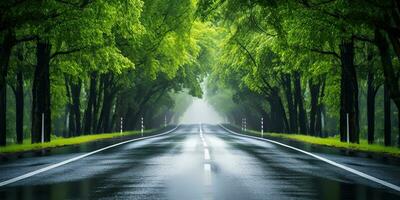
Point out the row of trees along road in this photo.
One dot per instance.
(306, 64)
(83, 64)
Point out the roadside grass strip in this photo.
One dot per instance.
(61, 141)
(335, 142)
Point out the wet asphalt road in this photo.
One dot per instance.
(187, 164)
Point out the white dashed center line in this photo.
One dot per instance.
(205, 144)
(206, 154)
(207, 174)
(207, 166)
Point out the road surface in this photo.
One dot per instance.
(196, 163)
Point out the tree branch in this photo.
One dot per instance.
(332, 53)
(66, 52)
(247, 52)
(363, 38)
(26, 38)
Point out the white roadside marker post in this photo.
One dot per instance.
(121, 125)
(242, 125)
(42, 127)
(348, 128)
(245, 125)
(165, 121)
(141, 130)
(262, 127)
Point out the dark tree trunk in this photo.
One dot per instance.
(41, 94)
(320, 109)
(76, 105)
(314, 90)
(391, 78)
(71, 117)
(97, 105)
(283, 115)
(387, 117)
(104, 123)
(90, 105)
(103, 84)
(5, 51)
(109, 94)
(290, 104)
(348, 93)
(300, 104)
(66, 122)
(19, 104)
(278, 116)
(398, 125)
(318, 123)
(129, 119)
(371, 93)
(120, 109)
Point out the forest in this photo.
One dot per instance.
(79, 66)
(315, 67)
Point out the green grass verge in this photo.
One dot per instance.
(335, 142)
(60, 141)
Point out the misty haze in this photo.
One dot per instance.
(201, 112)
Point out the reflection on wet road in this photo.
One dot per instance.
(195, 163)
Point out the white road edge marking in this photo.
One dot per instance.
(351, 170)
(27, 175)
(206, 154)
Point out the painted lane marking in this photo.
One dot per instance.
(351, 170)
(207, 167)
(205, 144)
(33, 173)
(206, 154)
(207, 174)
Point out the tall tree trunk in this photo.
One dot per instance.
(279, 122)
(348, 93)
(109, 94)
(105, 114)
(76, 105)
(300, 104)
(391, 78)
(90, 105)
(97, 105)
(71, 117)
(320, 110)
(371, 93)
(318, 123)
(314, 90)
(387, 117)
(41, 93)
(398, 125)
(129, 119)
(5, 51)
(19, 104)
(290, 104)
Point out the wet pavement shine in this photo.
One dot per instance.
(196, 163)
